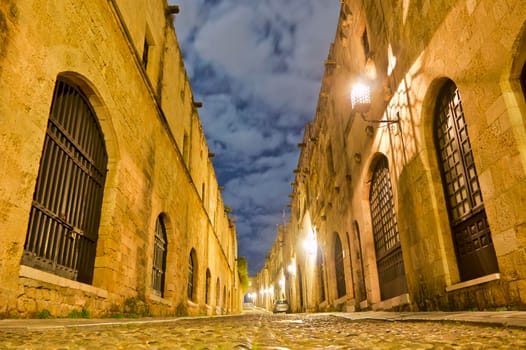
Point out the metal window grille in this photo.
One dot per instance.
(389, 260)
(471, 234)
(65, 213)
(190, 289)
(159, 257)
(338, 263)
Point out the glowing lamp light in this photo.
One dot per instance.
(310, 246)
(282, 282)
(360, 98)
(292, 269)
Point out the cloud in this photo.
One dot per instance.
(257, 66)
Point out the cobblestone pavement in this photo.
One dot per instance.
(268, 332)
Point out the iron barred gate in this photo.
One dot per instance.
(389, 261)
(471, 234)
(65, 213)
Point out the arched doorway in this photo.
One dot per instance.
(389, 260)
(65, 214)
(321, 274)
(338, 266)
(192, 276)
(300, 291)
(467, 215)
(360, 289)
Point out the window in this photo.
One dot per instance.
(365, 42)
(207, 286)
(338, 264)
(159, 257)
(65, 214)
(321, 272)
(192, 274)
(467, 216)
(389, 259)
(145, 53)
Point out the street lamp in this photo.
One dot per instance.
(361, 97)
(309, 244)
(292, 269)
(361, 103)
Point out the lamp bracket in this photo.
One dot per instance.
(393, 121)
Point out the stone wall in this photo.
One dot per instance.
(158, 157)
(406, 51)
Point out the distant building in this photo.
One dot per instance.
(410, 191)
(109, 200)
(270, 284)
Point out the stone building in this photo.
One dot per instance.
(410, 190)
(269, 283)
(109, 199)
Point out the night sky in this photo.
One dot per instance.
(257, 67)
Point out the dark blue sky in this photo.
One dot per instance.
(257, 66)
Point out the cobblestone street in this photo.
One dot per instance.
(264, 331)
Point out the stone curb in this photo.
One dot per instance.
(490, 318)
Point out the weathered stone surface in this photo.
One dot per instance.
(144, 115)
(406, 54)
(271, 333)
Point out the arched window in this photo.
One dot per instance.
(159, 257)
(65, 214)
(207, 286)
(321, 273)
(389, 260)
(192, 276)
(471, 233)
(338, 265)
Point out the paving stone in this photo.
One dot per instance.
(270, 332)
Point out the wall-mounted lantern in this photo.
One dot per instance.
(361, 98)
(361, 103)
